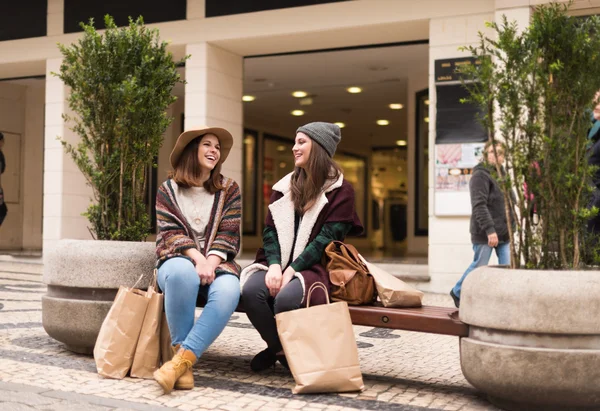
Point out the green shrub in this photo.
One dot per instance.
(121, 85)
(536, 88)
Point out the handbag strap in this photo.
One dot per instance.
(352, 252)
(315, 286)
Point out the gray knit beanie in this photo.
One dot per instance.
(326, 134)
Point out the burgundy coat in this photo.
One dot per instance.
(336, 204)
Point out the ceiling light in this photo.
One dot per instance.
(280, 148)
(426, 102)
(354, 90)
(282, 164)
(340, 124)
(401, 143)
(396, 106)
(297, 113)
(248, 98)
(455, 172)
(299, 94)
(383, 122)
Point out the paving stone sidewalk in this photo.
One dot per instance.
(402, 370)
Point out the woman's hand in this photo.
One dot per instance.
(287, 276)
(206, 272)
(204, 268)
(273, 279)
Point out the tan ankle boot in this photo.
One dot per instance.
(171, 371)
(186, 381)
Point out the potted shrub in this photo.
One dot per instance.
(534, 338)
(121, 85)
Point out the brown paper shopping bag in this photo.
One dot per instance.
(325, 360)
(120, 331)
(166, 350)
(392, 291)
(147, 353)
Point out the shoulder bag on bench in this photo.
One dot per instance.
(349, 275)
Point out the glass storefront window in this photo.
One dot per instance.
(249, 164)
(355, 169)
(422, 164)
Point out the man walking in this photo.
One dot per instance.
(489, 229)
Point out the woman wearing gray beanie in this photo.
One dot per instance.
(309, 208)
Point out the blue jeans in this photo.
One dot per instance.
(178, 280)
(483, 252)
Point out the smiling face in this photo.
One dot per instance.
(301, 150)
(209, 152)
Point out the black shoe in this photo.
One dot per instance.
(455, 298)
(283, 361)
(263, 360)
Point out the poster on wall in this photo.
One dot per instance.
(454, 165)
(453, 170)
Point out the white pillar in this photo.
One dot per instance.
(213, 97)
(55, 19)
(66, 194)
(450, 249)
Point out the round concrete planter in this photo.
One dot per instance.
(83, 277)
(534, 339)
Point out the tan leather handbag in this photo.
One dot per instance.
(349, 276)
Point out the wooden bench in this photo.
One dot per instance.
(427, 319)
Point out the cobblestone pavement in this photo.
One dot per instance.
(402, 370)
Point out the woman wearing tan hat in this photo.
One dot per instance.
(198, 213)
(309, 208)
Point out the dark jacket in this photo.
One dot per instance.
(336, 204)
(487, 204)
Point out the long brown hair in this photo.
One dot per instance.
(307, 183)
(187, 173)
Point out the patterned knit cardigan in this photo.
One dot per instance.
(222, 231)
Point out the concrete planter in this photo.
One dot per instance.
(534, 340)
(83, 277)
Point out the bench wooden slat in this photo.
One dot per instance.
(429, 319)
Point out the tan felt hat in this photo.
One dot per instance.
(224, 136)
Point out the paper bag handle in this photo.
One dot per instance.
(312, 288)
(154, 279)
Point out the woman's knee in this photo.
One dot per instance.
(226, 290)
(254, 287)
(178, 271)
(289, 298)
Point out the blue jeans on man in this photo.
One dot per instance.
(483, 252)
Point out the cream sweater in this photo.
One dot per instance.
(196, 205)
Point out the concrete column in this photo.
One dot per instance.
(34, 162)
(55, 21)
(66, 194)
(450, 250)
(213, 97)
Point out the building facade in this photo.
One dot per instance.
(264, 51)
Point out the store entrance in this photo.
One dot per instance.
(370, 93)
